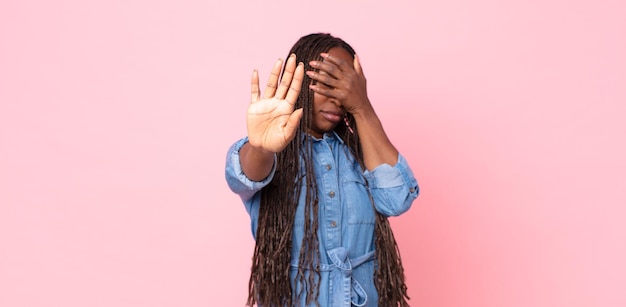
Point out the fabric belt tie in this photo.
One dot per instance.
(346, 291)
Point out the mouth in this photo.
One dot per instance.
(333, 117)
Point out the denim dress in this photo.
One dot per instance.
(346, 216)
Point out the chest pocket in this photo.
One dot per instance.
(359, 208)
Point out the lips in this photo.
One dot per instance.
(334, 117)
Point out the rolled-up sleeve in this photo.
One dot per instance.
(237, 181)
(393, 187)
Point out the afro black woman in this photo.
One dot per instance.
(319, 179)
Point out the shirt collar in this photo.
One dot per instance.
(328, 136)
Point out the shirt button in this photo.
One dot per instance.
(412, 190)
(333, 224)
(328, 167)
(331, 194)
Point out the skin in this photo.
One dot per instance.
(328, 111)
(340, 87)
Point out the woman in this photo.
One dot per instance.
(319, 177)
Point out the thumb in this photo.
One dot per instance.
(292, 123)
(357, 65)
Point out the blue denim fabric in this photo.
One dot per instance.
(346, 216)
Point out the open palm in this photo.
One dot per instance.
(272, 121)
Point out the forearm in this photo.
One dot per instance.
(377, 148)
(256, 163)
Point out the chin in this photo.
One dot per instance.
(330, 129)
(325, 128)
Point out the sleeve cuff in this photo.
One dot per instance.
(387, 176)
(236, 168)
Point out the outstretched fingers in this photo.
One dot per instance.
(272, 83)
(295, 85)
(256, 91)
(285, 80)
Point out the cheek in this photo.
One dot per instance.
(318, 100)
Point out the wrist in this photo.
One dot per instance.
(257, 150)
(363, 112)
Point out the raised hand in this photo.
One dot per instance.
(345, 82)
(341, 80)
(272, 121)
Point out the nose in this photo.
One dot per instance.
(335, 102)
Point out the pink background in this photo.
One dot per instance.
(115, 117)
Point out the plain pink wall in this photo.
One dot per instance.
(115, 117)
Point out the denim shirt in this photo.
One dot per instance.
(346, 215)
